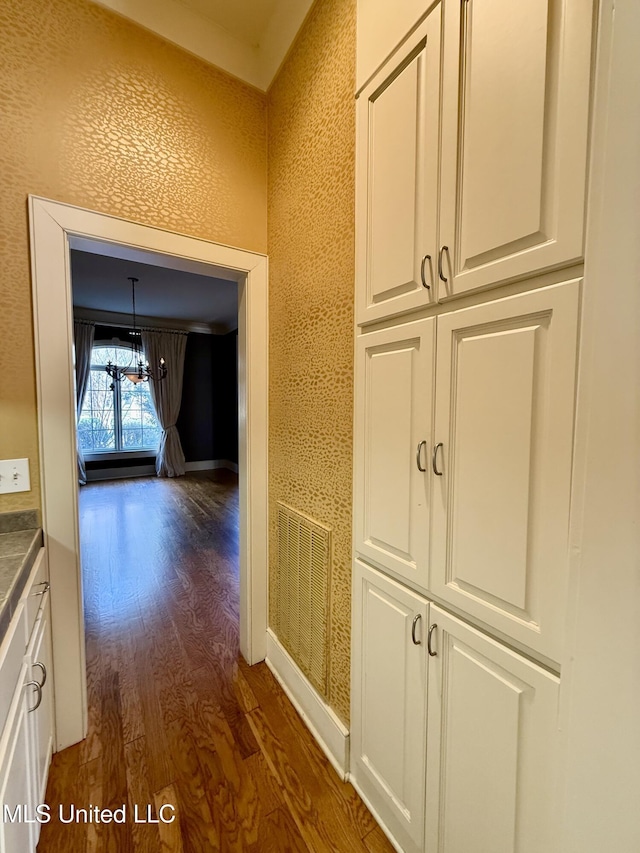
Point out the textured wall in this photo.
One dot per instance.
(311, 269)
(97, 112)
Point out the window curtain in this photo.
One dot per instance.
(83, 334)
(167, 395)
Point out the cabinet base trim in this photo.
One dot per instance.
(330, 733)
(373, 811)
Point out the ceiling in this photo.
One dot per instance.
(246, 20)
(247, 38)
(164, 297)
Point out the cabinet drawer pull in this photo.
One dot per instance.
(423, 279)
(416, 619)
(434, 459)
(38, 687)
(432, 628)
(421, 444)
(440, 273)
(44, 672)
(45, 588)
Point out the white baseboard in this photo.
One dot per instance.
(330, 733)
(211, 464)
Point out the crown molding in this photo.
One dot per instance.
(113, 318)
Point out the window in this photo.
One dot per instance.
(116, 416)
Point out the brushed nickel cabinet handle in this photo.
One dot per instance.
(416, 619)
(434, 459)
(432, 628)
(44, 672)
(421, 444)
(422, 277)
(440, 254)
(38, 687)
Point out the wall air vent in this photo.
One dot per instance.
(300, 606)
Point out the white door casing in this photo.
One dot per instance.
(54, 229)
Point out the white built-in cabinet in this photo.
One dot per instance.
(463, 448)
(389, 731)
(472, 151)
(492, 745)
(454, 734)
(397, 174)
(394, 413)
(472, 140)
(26, 714)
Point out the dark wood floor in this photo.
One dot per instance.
(175, 715)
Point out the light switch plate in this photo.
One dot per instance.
(14, 476)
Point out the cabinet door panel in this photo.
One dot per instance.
(397, 180)
(393, 415)
(16, 763)
(388, 734)
(379, 33)
(516, 113)
(491, 743)
(41, 720)
(504, 412)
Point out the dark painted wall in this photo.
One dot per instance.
(208, 420)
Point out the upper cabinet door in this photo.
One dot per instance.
(380, 29)
(397, 179)
(394, 405)
(505, 391)
(516, 81)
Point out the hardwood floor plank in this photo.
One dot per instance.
(176, 717)
(318, 812)
(113, 836)
(279, 834)
(66, 787)
(170, 831)
(145, 835)
(292, 731)
(377, 842)
(199, 827)
(269, 790)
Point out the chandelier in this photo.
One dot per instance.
(137, 370)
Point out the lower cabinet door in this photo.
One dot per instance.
(492, 742)
(17, 809)
(389, 690)
(41, 718)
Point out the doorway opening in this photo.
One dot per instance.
(56, 229)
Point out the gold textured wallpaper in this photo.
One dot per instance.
(311, 241)
(98, 112)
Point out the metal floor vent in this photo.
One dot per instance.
(301, 607)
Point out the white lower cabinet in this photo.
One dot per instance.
(41, 718)
(16, 751)
(492, 742)
(26, 715)
(389, 690)
(454, 734)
